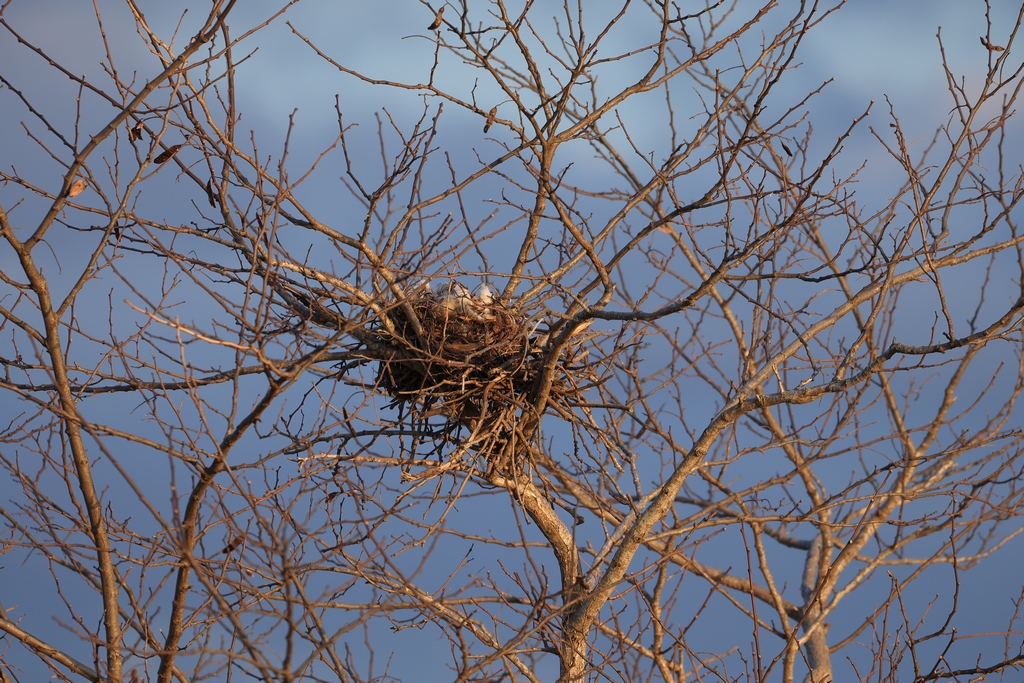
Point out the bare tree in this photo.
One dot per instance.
(591, 366)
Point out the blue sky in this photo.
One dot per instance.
(872, 50)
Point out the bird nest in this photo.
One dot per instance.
(472, 362)
(468, 350)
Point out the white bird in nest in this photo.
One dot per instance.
(485, 294)
(459, 300)
(454, 304)
(422, 290)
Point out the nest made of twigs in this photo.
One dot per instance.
(473, 361)
(465, 343)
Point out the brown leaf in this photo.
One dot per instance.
(209, 194)
(490, 118)
(785, 148)
(437, 20)
(233, 544)
(166, 156)
(77, 188)
(136, 132)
